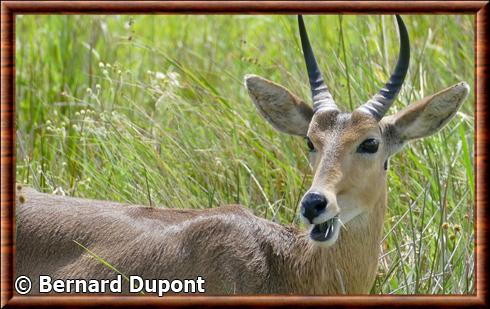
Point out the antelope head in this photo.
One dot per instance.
(349, 152)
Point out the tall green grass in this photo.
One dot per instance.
(152, 110)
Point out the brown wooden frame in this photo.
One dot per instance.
(9, 9)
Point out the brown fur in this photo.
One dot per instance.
(235, 251)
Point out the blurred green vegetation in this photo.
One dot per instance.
(152, 110)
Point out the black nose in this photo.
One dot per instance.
(312, 205)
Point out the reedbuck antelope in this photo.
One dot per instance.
(233, 250)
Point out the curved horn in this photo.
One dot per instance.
(379, 104)
(322, 99)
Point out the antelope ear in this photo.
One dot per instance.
(427, 116)
(282, 109)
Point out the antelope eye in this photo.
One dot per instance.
(311, 147)
(368, 146)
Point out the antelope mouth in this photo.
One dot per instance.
(326, 232)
